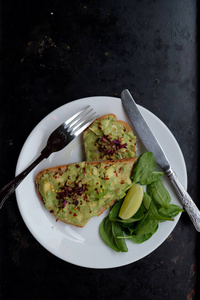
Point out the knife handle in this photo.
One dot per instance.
(186, 200)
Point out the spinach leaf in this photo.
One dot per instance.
(140, 222)
(170, 212)
(128, 228)
(117, 231)
(144, 167)
(113, 215)
(148, 226)
(146, 201)
(154, 214)
(130, 225)
(109, 232)
(158, 193)
(152, 178)
(137, 216)
(105, 231)
(138, 239)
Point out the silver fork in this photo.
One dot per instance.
(58, 139)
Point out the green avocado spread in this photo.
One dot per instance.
(108, 139)
(82, 190)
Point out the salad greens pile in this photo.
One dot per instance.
(155, 208)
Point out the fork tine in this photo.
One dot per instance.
(76, 115)
(81, 129)
(84, 113)
(83, 123)
(90, 115)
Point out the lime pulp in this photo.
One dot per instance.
(131, 202)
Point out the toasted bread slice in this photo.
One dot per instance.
(108, 138)
(76, 192)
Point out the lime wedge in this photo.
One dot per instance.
(131, 202)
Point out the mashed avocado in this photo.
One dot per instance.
(83, 190)
(108, 139)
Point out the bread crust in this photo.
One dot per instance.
(63, 168)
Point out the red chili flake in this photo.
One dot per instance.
(97, 183)
(75, 215)
(96, 191)
(120, 169)
(51, 211)
(106, 178)
(124, 129)
(77, 166)
(70, 212)
(90, 211)
(130, 141)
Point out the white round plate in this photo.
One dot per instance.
(83, 246)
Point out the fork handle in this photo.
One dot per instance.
(9, 188)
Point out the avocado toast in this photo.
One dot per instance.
(76, 192)
(108, 138)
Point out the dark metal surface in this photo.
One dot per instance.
(53, 52)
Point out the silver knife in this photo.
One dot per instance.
(151, 144)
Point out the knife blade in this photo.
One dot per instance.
(151, 143)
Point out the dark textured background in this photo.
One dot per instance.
(53, 52)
